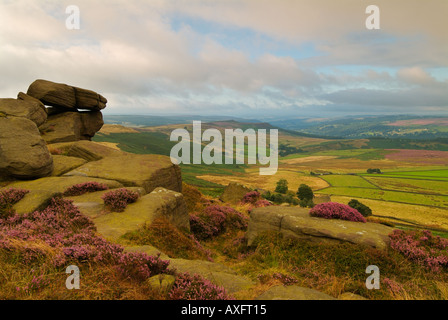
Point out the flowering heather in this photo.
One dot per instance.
(262, 203)
(81, 188)
(140, 266)
(214, 220)
(334, 210)
(251, 197)
(194, 287)
(421, 247)
(71, 236)
(117, 200)
(9, 197)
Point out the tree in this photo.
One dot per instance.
(305, 192)
(370, 170)
(282, 186)
(362, 208)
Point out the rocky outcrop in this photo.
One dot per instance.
(30, 109)
(135, 170)
(71, 126)
(23, 153)
(26, 125)
(234, 192)
(293, 293)
(63, 96)
(217, 273)
(160, 203)
(43, 189)
(295, 222)
(84, 149)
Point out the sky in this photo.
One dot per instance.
(246, 58)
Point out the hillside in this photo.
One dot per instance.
(394, 126)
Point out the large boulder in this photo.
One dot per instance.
(293, 293)
(295, 222)
(71, 126)
(30, 109)
(23, 153)
(234, 192)
(161, 203)
(135, 170)
(66, 97)
(84, 149)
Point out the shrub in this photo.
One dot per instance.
(251, 197)
(140, 266)
(117, 200)
(305, 192)
(334, 210)
(362, 208)
(373, 170)
(306, 203)
(279, 198)
(214, 220)
(81, 188)
(9, 197)
(194, 287)
(262, 203)
(282, 186)
(421, 247)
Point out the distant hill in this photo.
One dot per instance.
(397, 126)
(153, 121)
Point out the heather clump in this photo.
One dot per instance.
(421, 247)
(194, 287)
(140, 266)
(9, 197)
(215, 220)
(117, 200)
(63, 236)
(251, 197)
(82, 188)
(334, 210)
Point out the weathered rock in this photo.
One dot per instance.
(159, 203)
(217, 273)
(71, 126)
(92, 205)
(350, 296)
(84, 149)
(161, 282)
(234, 192)
(23, 153)
(135, 170)
(30, 109)
(92, 122)
(296, 223)
(63, 164)
(43, 189)
(293, 293)
(64, 96)
(25, 97)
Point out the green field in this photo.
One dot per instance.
(410, 185)
(350, 181)
(423, 173)
(385, 195)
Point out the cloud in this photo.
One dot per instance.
(230, 56)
